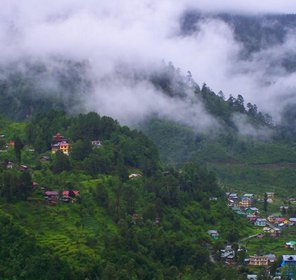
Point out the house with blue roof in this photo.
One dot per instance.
(288, 266)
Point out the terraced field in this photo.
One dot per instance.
(63, 229)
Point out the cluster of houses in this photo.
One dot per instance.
(271, 225)
(287, 265)
(60, 143)
(278, 220)
(247, 199)
(291, 205)
(227, 255)
(52, 197)
(243, 206)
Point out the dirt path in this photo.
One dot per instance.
(245, 239)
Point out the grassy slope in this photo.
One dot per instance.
(75, 234)
(70, 233)
(269, 245)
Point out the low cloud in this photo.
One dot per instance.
(133, 100)
(139, 35)
(245, 128)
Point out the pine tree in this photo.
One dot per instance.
(265, 203)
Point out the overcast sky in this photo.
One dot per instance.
(141, 34)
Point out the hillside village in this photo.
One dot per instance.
(189, 174)
(274, 227)
(278, 227)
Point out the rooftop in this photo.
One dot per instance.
(289, 258)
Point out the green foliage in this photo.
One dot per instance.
(15, 185)
(22, 258)
(40, 132)
(150, 227)
(18, 146)
(265, 203)
(240, 162)
(80, 150)
(60, 163)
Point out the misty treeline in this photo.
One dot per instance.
(244, 135)
(29, 88)
(224, 109)
(150, 227)
(174, 84)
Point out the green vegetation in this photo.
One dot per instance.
(152, 226)
(257, 178)
(274, 245)
(247, 152)
(241, 163)
(247, 140)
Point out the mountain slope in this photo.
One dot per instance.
(151, 225)
(255, 32)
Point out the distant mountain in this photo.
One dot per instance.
(256, 32)
(265, 38)
(242, 142)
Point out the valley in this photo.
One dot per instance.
(147, 140)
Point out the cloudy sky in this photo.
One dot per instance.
(141, 34)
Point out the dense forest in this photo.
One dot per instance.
(246, 150)
(133, 217)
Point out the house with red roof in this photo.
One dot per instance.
(70, 196)
(61, 144)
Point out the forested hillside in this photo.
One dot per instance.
(244, 147)
(247, 151)
(146, 140)
(108, 210)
